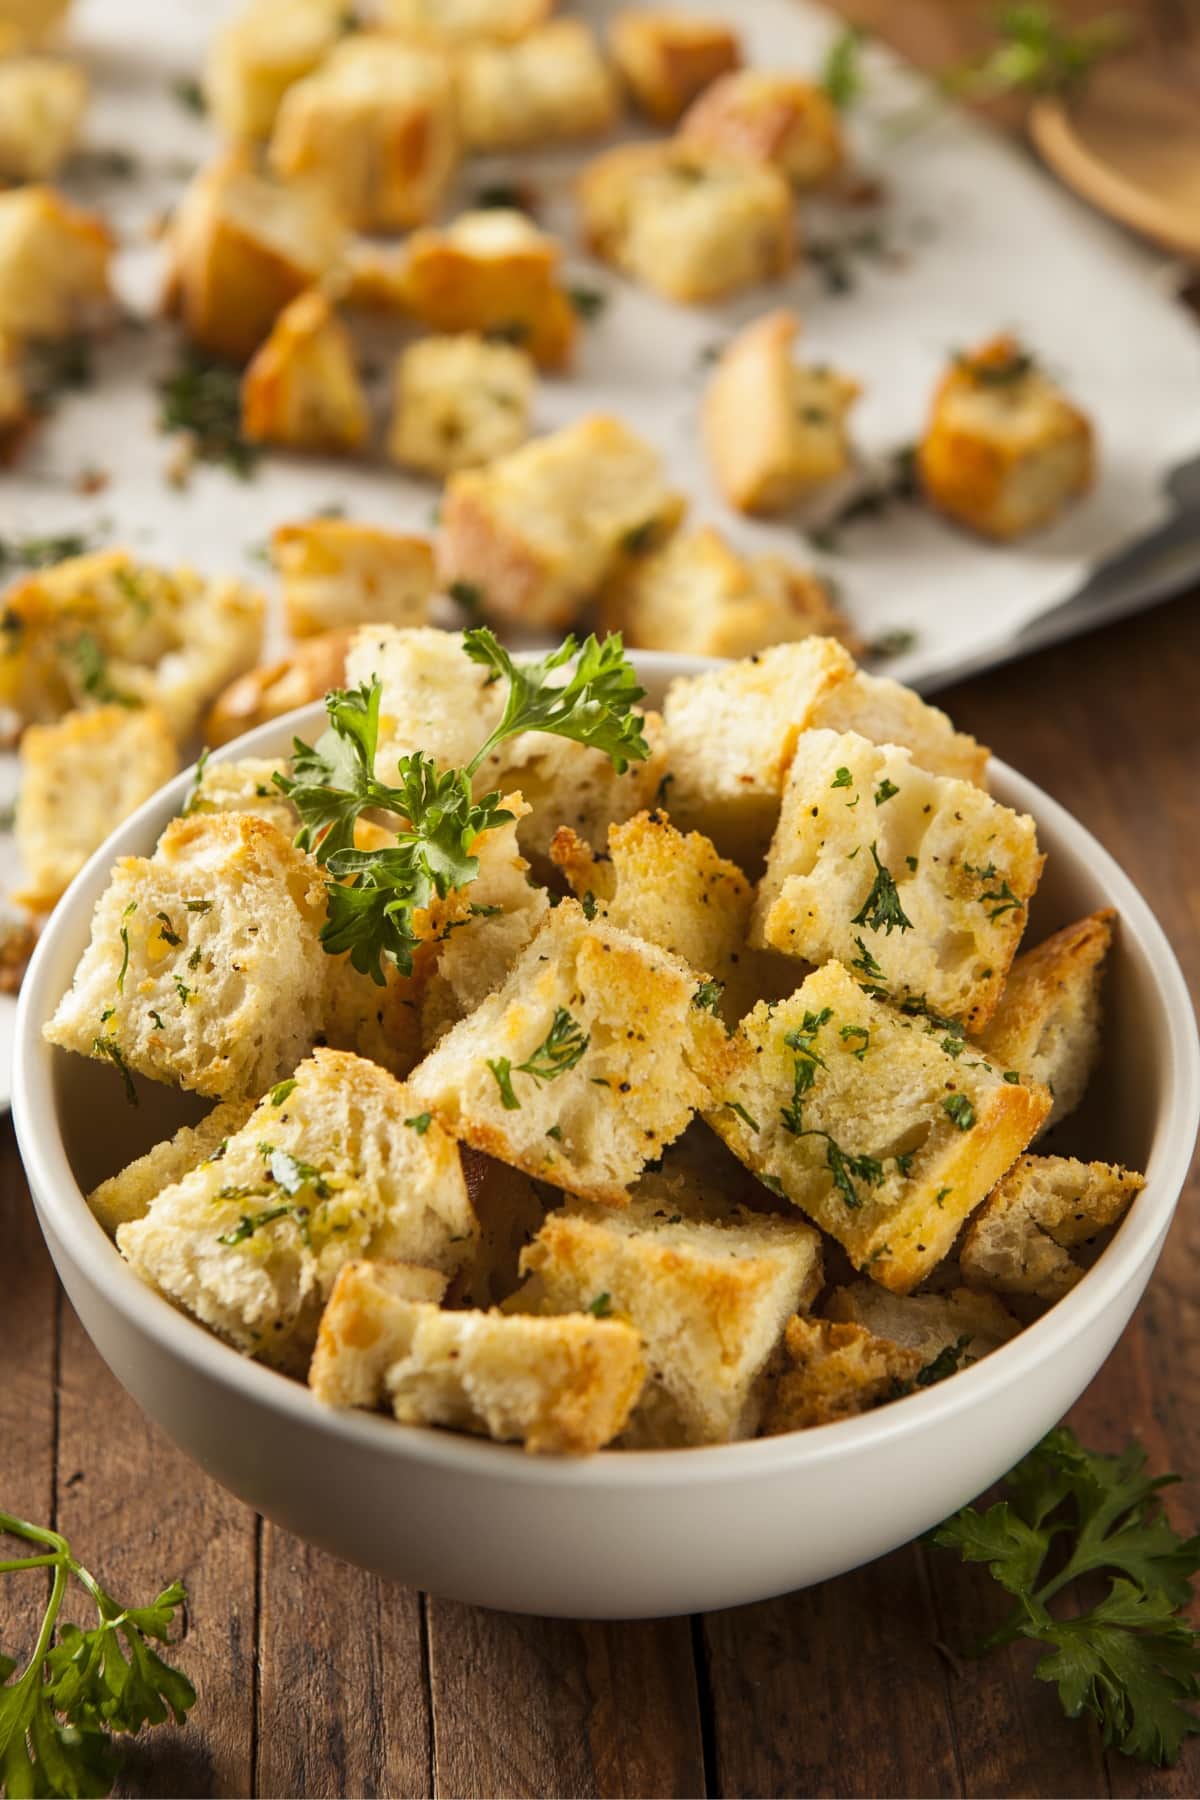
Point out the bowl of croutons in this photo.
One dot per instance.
(605, 1136)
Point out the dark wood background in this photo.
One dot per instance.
(317, 1679)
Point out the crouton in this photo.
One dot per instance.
(1004, 450)
(540, 531)
(1020, 1240)
(584, 1065)
(242, 247)
(835, 1371)
(128, 1194)
(337, 574)
(463, 22)
(494, 272)
(26, 22)
(697, 597)
(920, 882)
(325, 1172)
(1047, 1023)
(381, 1023)
(567, 783)
(552, 84)
(204, 968)
(376, 125)
(305, 674)
(41, 107)
(691, 225)
(951, 1330)
(773, 429)
(104, 629)
(54, 264)
(881, 709)
(357, 1337)
(768, 118)
(869, 1123)
(666, 58)
(245, 786)
(709, 1300)
(458, 402)
(257, 55)
(510, 1209)
(79, 779)
(301, 387)
(15, 409)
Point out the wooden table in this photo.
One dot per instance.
(316, 1679)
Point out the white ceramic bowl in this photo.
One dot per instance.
(622, 1535)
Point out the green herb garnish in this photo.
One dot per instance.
(959, 1110)
(881, 910)
(202, 396)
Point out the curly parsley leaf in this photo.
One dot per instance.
(594, 705)
(881, 910)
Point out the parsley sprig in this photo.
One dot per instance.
(1131, 1660)
(560, 1050)
(59, 1715)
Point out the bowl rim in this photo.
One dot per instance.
(64, 1213)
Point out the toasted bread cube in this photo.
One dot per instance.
(128, 1194)
(774, 429)
(869, 1124)
(79, 779)
(54, 262)
(105, 629)
(459, 402)
(15, 409)
(881, 709)
(463, 22)
(709, 1299)
(494, 272)
(689, 224)
(510, 1209)
(958, 1328)
(540, 531)
(697, 597)
(357, 1338)
(376, 124)
(325, 1172)
(552, 84)
(337, 574)
(920, 882)
(242, 247)
(1047, 1024)
(1005, 450)
(767, 118)
(26, 22)
(381, 1023)
(245, 786)
(1020, 1240)
(41, 106)
(835, 1371)
(301, 387)
(667, 58)
(305, 674)
(257, 55)
(204, 968)
(568, 783)
(588, 1061)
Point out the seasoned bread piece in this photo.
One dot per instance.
(552, 84)
(567, 783)
(768, 118)
(15, 409)
(337, 573)
(204, 967)
(376, 125)
(463, 22)
(666, 58)
(697, 597)
(245, 786)
(510, 1209)
(562, 1386)
(128, 1194)
(774, 429)
(1047, 1024)
(685, 222)
(835, 1371)
(1020, 1240)
(539, 532)
(959, 1327)
(242, 246)
(588, 1061)
(869, 1123)
(42, 101)
(105, 629)
(54, 261)
(79, 779)
(494, 272)
(325, 1172)
(306, 673)
(256, 56)
(708, 1298)
(881, 709)
(301, 387)
(27, 22)
(1004, 450)
(458, 402)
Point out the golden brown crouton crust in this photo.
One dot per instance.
(836, 1371)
